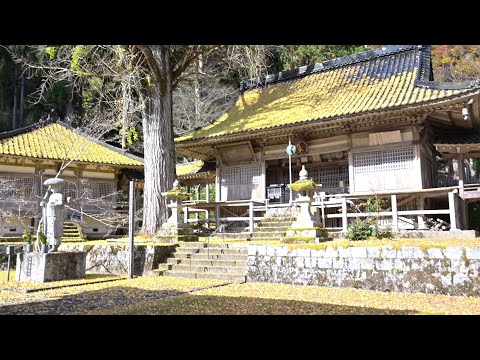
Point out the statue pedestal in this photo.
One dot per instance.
(305, 226)
(55, 266)
(175, 228)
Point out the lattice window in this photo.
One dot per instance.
(383, 161)
(99, 190)
(17, 186)
(329, 176)
(244, 175)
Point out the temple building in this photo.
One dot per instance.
(369, 125)
(94, 173)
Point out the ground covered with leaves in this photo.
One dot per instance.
(164, 296)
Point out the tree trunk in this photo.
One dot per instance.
(159, 148)
(196, 85)
(14, 122)
(22, 100)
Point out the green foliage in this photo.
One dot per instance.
(27, 237)
(42, 237)
(78, 55)
(58, 96)
(374, 205)
(131, 135)
(51, 52)
(293, 56)
(359, 230)
(369, 227)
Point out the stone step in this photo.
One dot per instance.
(238, 235)
(231, 239)
(204, 256)
(282, 224)
(192, 275)
(271, 234)
(213, 251)
(211, 246)
(209, 269)
(200, 262)
(266, 238)
(272, 228)
(163, 267)
(277, 219)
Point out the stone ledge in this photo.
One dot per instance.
(38, 267)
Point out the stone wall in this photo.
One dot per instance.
(451, 271)
(113, 259)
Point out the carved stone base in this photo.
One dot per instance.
(55, 266)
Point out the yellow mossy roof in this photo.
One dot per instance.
(57, 142)
(190, 168)
(336, 88)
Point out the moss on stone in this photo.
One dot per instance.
(177, 193)
(303, 185)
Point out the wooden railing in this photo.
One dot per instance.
(341, 201)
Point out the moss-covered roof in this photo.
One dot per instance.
(190, 168)
(56, 141)
(383, 79)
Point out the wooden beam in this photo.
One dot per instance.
(344, 215)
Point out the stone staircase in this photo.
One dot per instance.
(72, 231)
(199, 261)
(272, 228)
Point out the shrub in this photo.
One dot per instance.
(363, 229)
(359, 230)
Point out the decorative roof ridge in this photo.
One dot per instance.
(26, 129)
(327, 65)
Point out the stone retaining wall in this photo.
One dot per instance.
(451, 271)
(113, 259)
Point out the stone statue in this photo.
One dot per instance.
(176, 184)
(54, 214)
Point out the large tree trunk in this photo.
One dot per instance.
(22, 100)
(15, 106)
(159, 148)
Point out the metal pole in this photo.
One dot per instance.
(290, 169)
(131, 228)
(8, 268)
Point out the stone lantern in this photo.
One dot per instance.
(305, 226)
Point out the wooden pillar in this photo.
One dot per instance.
(394, 213)
(250, 215)
(263, 181)
(351, 178)
(344, 215)
(461, 186)
(218, 196)
(461, 173)
(197, 192)
(421, 206)
(207, 193)
(322, 199)
(217, 216)
(451, 206)
(417, 162)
